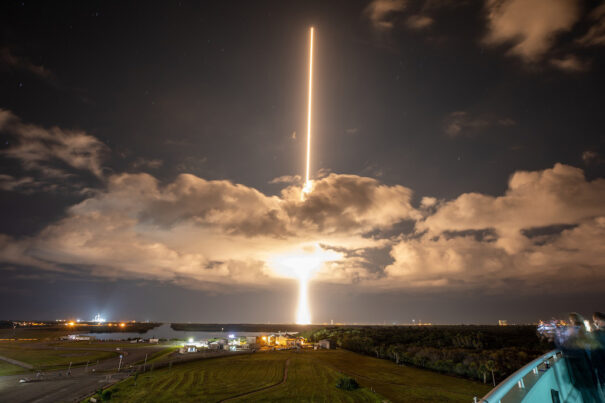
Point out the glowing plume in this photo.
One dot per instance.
(308, 183)
(303, 263)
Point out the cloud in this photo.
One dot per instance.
(9, 182)
(147, 163)
(286, 179)
(571, 63)
(213, 233)
(596, 33)
(382, 13)
(419, 21)
(560, 195)
(53, 152)
(591, 157)
(573, 258)
(12, 61)
(529, 27)
(462, 123)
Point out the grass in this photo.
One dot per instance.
(402, 383)
(35, 332)
(208, 380)
(10, 369)
(161, 354)
(311, 380)
(312, 377)
(52, 359)
(106, 345)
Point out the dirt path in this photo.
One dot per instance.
(17, 363)
(261, 389)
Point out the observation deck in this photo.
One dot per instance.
(546, 379)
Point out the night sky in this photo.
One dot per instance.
(152, 156)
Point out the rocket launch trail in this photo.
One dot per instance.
(303, 315)
(308, 183)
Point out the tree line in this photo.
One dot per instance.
(485, 353)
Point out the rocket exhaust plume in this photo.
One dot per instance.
(308, 183)
(303, 315)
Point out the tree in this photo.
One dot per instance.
(491, 366)
(483, 370)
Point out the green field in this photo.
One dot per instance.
(10, 369)
(402, 383)
(50, 358)
(312, 376)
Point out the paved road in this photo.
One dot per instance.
(59, 386)
(17, 363)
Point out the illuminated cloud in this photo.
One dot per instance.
(382, 13)
(529, 27)
(571, 63)
(216, 234)
(54, 152)
(419, 21)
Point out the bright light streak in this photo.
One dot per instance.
(308, 184)
(303, 264)
(303, 313)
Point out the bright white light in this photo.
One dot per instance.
(98, 318)
(302, 264)
(303, 312)
(190, 340)
(308, 185)
(587, 326)
(231, 336)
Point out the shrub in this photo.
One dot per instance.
(346, 383)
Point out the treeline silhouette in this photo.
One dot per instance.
(485, 353)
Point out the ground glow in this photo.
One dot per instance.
(303, 264)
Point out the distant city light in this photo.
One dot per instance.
(122, 324)
(231, 336)
(191, 340)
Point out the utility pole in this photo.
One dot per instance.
(145, 363)
(120, 364)
(69, 369)
(86, 369)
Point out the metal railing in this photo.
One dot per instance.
(515, 384)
